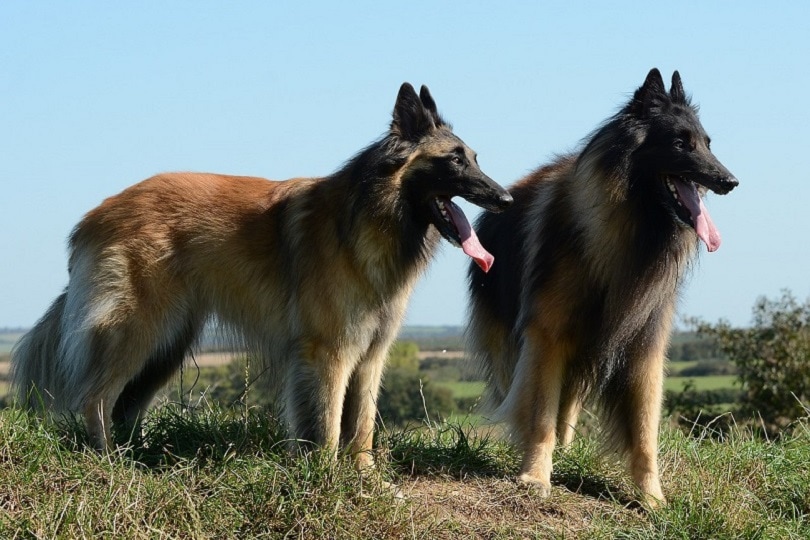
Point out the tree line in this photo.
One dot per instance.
(770, 358)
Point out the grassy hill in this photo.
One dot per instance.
(208, 474)
(225, 474)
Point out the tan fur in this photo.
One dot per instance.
(201, 243)
(313, 275)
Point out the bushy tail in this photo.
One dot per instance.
(35, 367)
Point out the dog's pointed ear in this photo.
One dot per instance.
(411, 119)
(427, 100)
(650, 95)
(676, 91)
(654, 82)
(430, 106)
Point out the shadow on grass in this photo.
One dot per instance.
(463, 452)
(596, 486)
(173, 434)
(448, 449)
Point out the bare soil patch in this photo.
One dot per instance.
(492, 507)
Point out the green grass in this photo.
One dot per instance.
(212, 474)
(464, 389)
(709, 382)
(675, 367)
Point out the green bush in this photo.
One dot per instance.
(705, 408)
(404, 355)
(708, 367)
(772, 357)
(406, 397)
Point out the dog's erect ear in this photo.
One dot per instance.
(654, 82)
(411, 119)
(650, 96)
(430, 106)
(427, 100)
(676, 91)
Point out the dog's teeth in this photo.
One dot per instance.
(442, 209)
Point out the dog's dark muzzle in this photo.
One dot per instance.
(489, 196)
(501, 202)
(724, 185)
(719, 184)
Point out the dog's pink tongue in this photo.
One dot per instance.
(704, 226)
(469, 240)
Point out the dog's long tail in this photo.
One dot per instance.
(35, 367)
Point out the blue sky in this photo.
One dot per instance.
(97, 96)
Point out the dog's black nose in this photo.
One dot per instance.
(728, 183)
(505, 200)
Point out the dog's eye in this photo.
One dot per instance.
(457, 160)
(678, 144)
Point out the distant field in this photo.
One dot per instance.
(456, 355)
(7, 341)
(413, 332)
(709, 382)
(4, 367)
(459, 389)
(675, 367)
(464, 389)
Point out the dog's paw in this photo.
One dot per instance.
(385, 487)
(541, 487)
(395, 491)
(653, 501)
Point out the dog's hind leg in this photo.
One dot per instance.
(114, 358)
(534, 409)
(165, 361)
(105, 357)
(570, 407)
(105, 334)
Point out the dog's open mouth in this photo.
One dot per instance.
(690, 209)
(454, 226)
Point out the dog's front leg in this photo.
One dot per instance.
(360, 411)
(315, 390)
(646, 394)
